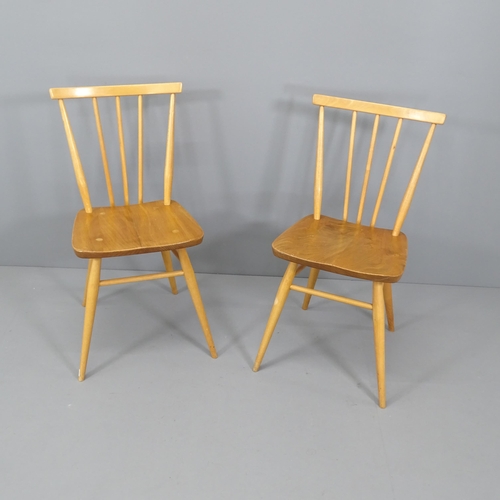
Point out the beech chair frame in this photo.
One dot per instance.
(290, 246)
(185, 231)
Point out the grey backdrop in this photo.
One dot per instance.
(245, 129)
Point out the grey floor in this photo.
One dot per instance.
(158, 418)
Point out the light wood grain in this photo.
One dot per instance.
(389, 309)
(195, 295)
(134, 229)
(318, 179)
(130, 229)
(331, 296)
(387, 170)
(279, 302)
(123, 156)
(104, 156)
(379, 339)
(75, 157)
(88, 322)
(167, 261)
(349, 165)
(311, 283)
(368, 168)
(84, 301)
(142, 277)
(379, 109)
(115, 90)
(169, 155)
(352, 249)
(140, 147)
(410, 190)
(344, 248)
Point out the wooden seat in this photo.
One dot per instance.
(134, 229)
(352, 249)
(117, 230)
(342, 247)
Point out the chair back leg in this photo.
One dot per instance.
(379, 337)
(92, 291)
(311, 282)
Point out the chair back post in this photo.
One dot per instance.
(318, 178)
(104, 156)
(410, 190)
(378, 110)
(122, 149)
(368, 169)
(75, 158)
(387, 169)
(118, 91)
(349, 164)
(169, 154)
(140, 145)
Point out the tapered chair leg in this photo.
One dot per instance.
(279, 302)
(311, 282)
(167, 260)
(195, 295)
(84, 301)
(379, 337)
(92, 291)
(388, 306)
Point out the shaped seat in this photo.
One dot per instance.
(129, 229)
(345, 248)
(134, 229)
(351, 248)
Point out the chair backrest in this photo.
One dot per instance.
(116, 92)
(378, 110)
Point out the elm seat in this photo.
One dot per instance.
(348, 248)
(134, 229)
(116, 230)
(345, 248)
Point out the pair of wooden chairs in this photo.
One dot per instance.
(318, 242)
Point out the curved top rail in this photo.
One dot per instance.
(379, 109)
(116, 90)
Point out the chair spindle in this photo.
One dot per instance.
(318, 179)
(103, 152)
(169, 155)
(349, 165)
(410, 190)
(139, 150)
(368, 169)
(386, 172)
(122, 150)
(75, 157)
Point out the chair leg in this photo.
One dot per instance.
(279, 302)
(92, 291)
(311, 282)
(84, 301)
(167, 260)
(195, 295)
(379, 337)
(388, 306)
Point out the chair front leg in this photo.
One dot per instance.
(84, 301)
(379, 337)
(196, 297)
(311, 282)
(388, 306)
(279, 302)
(92, 291)
(167, 260)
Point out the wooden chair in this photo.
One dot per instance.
(156, 226)
(348, 248)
